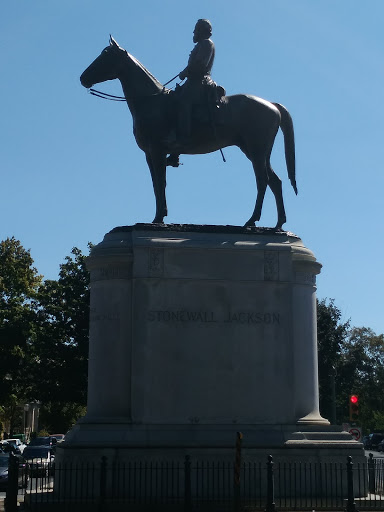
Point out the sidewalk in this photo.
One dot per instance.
(20, 499)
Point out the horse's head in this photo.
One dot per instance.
(105, 67)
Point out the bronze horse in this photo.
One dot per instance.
(243, 120)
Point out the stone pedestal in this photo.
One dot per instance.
(198, 332)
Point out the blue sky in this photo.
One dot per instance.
(71, 170)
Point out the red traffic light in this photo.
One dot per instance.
(354, 399)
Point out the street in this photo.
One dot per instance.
(35, 485)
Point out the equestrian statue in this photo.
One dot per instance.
(197, 118)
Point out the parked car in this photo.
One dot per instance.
(23, 475)
(17, 444)
(59, 437)
(43, 441)
(9, 448)
(373, 441)
(380, 446)
(40, 459)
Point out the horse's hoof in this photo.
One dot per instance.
(279, 226)
(249, 224)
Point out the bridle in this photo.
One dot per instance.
(112, 97)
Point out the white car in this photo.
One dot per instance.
(17, 444)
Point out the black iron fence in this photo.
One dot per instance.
(191, 485)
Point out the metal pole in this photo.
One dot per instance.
(351, 505)
(371, 474)
(12, 489)
(187, 484)
(103, 483)
(333, 391)
(271, 507)
(237, 469)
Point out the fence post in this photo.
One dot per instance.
(271, 507)
(187, 484)
(10, 503)
(236, 475)
(103, 483)
(351, 505)
(371, 474)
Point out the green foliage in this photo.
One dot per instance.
(61, 343)
(18, 278)
(19, 283)
(377, 422)
(58, 417)
(361, 372)
(357, 356)
(331, 336)
(43, 433)
(43, 336)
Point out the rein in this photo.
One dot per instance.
(105, 96)
(112, 97)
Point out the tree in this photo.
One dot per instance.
(61, 344)
(332, 334)
(43, 337)
(59, 417)
(361, 372)
(351, 359)
(19, 283)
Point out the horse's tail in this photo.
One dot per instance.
(286, 126)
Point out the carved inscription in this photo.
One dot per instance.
(305, 278)
(109, 272)
(112, 272)
(209, 317)
(271, 265)
(156, 262)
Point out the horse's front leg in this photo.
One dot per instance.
(156, 161)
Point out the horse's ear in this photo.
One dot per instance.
(112, 42)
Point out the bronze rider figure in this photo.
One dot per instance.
(198, 75)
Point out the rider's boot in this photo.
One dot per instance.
(173, 160)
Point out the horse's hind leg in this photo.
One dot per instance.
(275, 185)
(261, 175)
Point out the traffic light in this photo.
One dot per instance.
(353, 408)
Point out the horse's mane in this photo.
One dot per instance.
(143, 70)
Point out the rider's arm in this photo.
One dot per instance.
(183, 74)
(199, 59)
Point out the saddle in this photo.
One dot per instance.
(214, 91)
(197, 99)
(194, 107)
